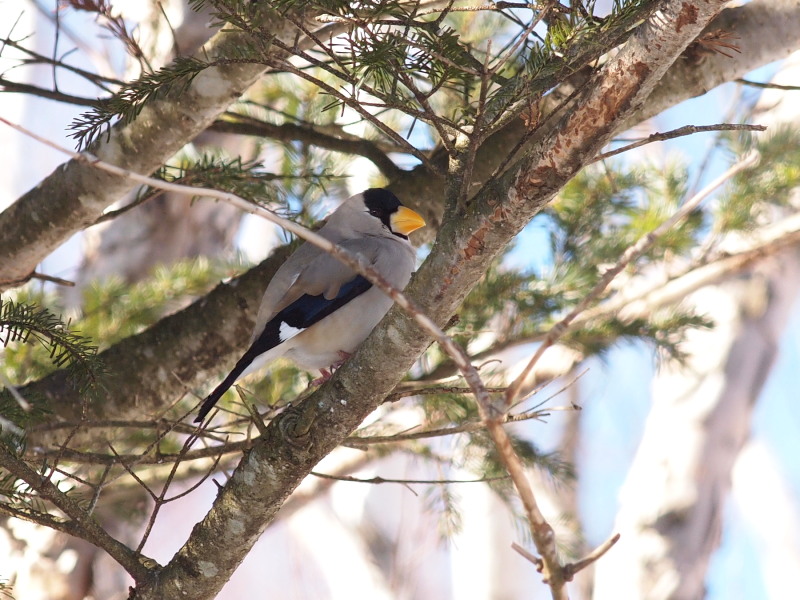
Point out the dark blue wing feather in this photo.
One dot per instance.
(307, 310)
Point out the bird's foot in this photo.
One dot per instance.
(328, 373)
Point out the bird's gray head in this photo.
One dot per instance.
(376, 211)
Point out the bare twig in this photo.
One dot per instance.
(52, 279)
(769, 86)
(144, 457)
(23, 404)
(85, 526)
(100, 60)
(680, 132)
(642, 300)
(527, 555)
(357, 441)
(36, 58)
(32, 90)
(161, 499)
(571, 568)
(246, 125)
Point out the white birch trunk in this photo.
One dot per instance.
(671, 505)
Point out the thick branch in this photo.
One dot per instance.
(75, 194)
(178, 354)
(215, 324)
(763, 30)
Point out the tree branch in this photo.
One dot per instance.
(243, 125)
(75, 194)
(679, 132)
(84, 525)
(32, 90)
(632, 253)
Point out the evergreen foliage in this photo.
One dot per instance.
(129, 101)
(33, 325)
(770, 183)
(405, 61)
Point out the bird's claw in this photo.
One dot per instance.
(328, 373)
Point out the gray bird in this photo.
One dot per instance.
(317, 311)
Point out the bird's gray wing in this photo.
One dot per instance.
(313, 272)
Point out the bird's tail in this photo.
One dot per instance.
(237, 371)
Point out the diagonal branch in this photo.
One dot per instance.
(83, 524)
(632, 253)
(245, 125)
(75, 194)
(205, 336)
(6, 85)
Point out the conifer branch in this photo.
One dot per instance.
(632, 253)
(22, 323)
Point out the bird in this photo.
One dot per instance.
(316, 310)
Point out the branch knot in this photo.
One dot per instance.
(294, 426)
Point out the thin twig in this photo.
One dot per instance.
(32, 90)
(571, 568)
(144, 458)
(380, 480)
(679, 132)
(527, 555)
(23, 404)
(36, 58)
(357, 441)
(53, 279)
(769, 86)
(246, 125)
(85, 526)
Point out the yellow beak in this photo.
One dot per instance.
(405, 220)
